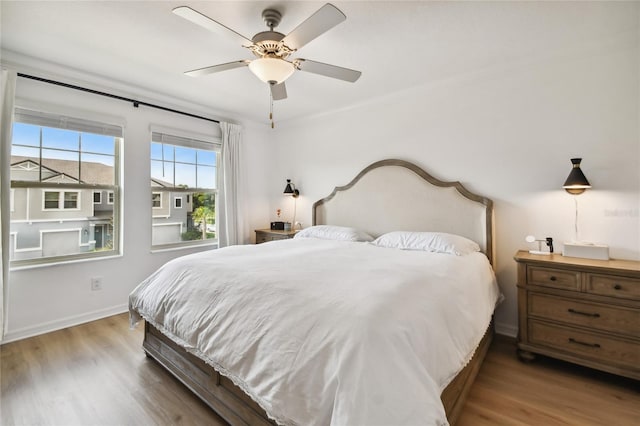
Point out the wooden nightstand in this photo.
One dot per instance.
(264, 235)
(580, 310)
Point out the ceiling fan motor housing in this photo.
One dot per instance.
(269, 43)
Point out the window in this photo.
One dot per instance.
(156, 200)
(51, 200)
(110, 197)
(183, 169)
(59, 168)
(60, 200)
(70, 199)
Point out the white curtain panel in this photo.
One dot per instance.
(229, 232)
(7, 95)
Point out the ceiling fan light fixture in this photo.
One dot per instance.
(271, 69)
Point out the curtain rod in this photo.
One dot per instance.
(135, 102)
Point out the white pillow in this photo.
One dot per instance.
(439, 242)
(329, 232)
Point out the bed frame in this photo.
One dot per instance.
(387, 195)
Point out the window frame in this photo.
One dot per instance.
(175, 202)
(77, 200)
(159, 206)
(43, 120)
(99, 193)
(61, 200)
(44, 200)
(198, 142)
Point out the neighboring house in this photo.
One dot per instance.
(48, 221)
(171, 213)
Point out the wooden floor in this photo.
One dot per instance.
(97, 374)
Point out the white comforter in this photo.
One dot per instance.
(327, 332)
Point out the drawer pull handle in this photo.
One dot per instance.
(586, 314)
(578, 342)
(617, 287)
(553, 278)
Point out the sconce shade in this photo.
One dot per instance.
(290, 189)
(577, 182)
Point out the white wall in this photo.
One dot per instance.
(506, 132)
(48, 298)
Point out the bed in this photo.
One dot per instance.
(336, 331)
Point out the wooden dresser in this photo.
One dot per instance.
(580, 310)
(264, 235)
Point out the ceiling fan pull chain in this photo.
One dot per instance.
(271, 109)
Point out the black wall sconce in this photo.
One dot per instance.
(290, 189)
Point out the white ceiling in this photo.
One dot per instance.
(396, 45)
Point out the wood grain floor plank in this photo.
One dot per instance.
(547, 392)
(93, 374)
(97, 374)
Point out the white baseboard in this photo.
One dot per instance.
(47, 327)
(506, 329)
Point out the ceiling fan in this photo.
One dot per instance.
(272, 49)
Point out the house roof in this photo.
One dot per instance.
(160, 183)
(65, 170)
(94, 173)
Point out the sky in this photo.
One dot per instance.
(176, 165)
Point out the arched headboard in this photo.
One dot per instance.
(396, 195)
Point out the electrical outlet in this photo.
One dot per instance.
(96, 283)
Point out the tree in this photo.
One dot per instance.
(204, 199)
(202, 215)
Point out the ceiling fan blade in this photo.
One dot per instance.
(327, 17)
(278, 91)
(327, 70)
(211, 25)
(217, 68)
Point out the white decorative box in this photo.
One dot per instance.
(587, 251)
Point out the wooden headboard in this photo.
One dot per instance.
(396, 195)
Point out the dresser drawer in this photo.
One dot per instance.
(586, 345)
(611, 285)
(279, 237)
(266, 235)
(262, 238)
(592, 315)
(556, 278)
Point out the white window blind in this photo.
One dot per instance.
(184, 141)
(39, 118)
